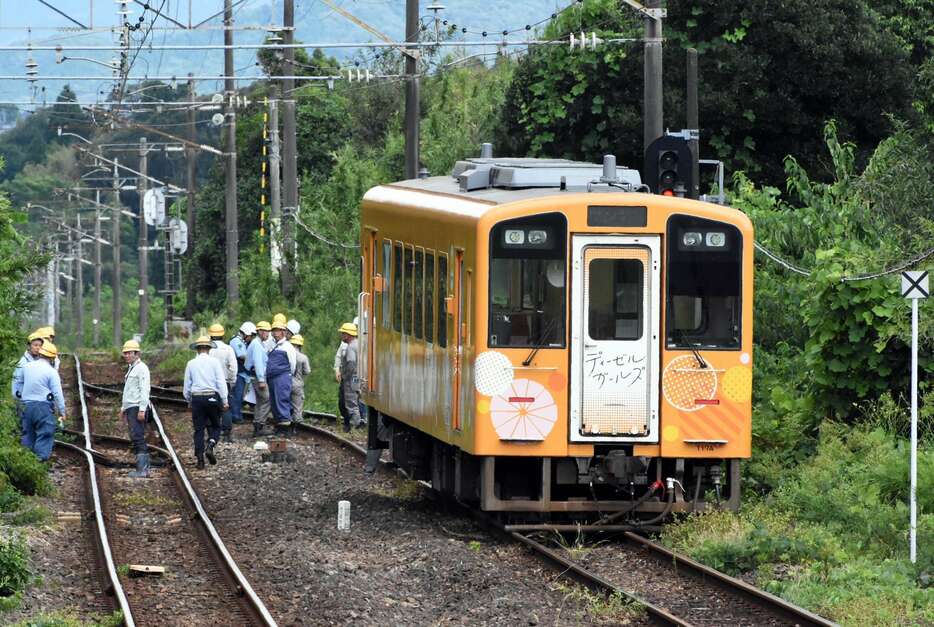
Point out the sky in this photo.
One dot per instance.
(315, 22)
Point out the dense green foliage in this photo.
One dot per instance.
(771, 75)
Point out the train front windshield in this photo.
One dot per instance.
(704, 283)
(527, 282)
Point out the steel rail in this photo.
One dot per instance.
(98, 511)
(798, 615)
(250, 599)
(658, 615)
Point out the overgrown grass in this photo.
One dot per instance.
(14, 570)
(68, 619)
(614, 609)
(833, 535)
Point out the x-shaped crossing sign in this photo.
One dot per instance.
(915, 284)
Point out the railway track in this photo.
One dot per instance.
(159, 523)
(673, 588)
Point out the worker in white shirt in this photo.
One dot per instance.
(225, 355)
(136, 384)
(206, 392)
(34, 343)
(302, 370)
(280, 367)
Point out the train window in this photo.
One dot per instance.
(429, 297)
(387, 255)
(409, 292)
(442, 298)
(615, 295)
(704, 284)
(528, 267)
(397, 288)
(419, 290)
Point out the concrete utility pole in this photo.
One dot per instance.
(142, 185)
(69, 277)
(412, 108)
(231, 228)
(692, 118)
(79, 285)
(289, 152)
(192, 157)
(115, 240)
(652, 105)
(97, 270)
(275, 207)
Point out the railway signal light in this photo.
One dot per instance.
(669, 167)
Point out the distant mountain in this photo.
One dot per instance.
(315, 22)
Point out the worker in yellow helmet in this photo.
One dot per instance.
(48, 335)
(350, 383)
(33, 344)
(280, 367)
(135, 403)
(42, 394)
(255, 364)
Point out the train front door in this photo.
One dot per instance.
(616, 302)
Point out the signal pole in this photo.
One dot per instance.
(142, 184)
(652, 88)
(289, 151)
(412, 109)
(192, 156)
(115, 237)
(692, 118)
(230, 191)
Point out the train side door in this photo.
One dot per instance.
(616, 302)
(457, 346)
(366, 318)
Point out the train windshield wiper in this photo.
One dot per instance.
(684, 339)
(546, 332)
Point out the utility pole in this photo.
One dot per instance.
(275, 206)
(230, 192)
(97, 270)
(289, 152)
(69, 278)
(412, 108)
(192, 156)
(652, 88)
(693, 118)
(79, 286)
(142, 184)
(115, 240)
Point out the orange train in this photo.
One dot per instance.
(541, 335)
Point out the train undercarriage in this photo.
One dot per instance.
(613, 481)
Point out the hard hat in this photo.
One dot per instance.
(216, 330)
(130, 345)
(33, 337)
(278, 321)
(48, 350)
(248, 328)
(202, 342)
(262, 325)
(297, 339)
(293, 326)
(349, 328)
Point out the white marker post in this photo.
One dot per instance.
(914, 288)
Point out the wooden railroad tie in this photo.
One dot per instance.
(144, 570)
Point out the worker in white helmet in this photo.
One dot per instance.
(239, 344)
(136, 386)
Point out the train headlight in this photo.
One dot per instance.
(692, 238)
(515, 237)
(716, 239)
(537, 237)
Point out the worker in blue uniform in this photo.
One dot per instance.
(255, 364)
(280, 367)
(34, 343)
(42, 394)
(206, 392)
(239, 344)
